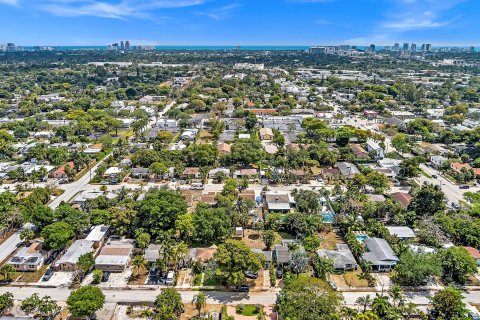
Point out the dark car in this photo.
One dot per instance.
(464, 187)
(242, 288)
(48, 275)
(106, 275)
(279, 273)
(251, 274)
(434, 176)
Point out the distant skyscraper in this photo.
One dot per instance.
(122, 45)
(428, 47)
(405, 46)
(423, 47)
(127, 45)
(413, 47)
(396, 47)
(372, 47)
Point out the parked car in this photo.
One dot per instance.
(170, 277)
(434, 176)
(106, 275)
(332, 284)
(464, 187)
(104, 183)
(251, 274)
(242, 288)
(279, 273)
(48, 274)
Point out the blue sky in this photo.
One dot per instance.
(239, 22)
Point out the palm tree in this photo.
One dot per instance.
(364, 301)
(200, 302)
(349, 313)
(139, 263)
(380, 305)
(262, 315)
(367, 316)
(396, 294)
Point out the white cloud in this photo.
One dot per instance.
(117, 9)
(415, 24)
(221, 12)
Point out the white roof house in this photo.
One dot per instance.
(112, 171)
(69, 260)
(401, 232)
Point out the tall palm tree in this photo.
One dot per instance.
(200, 302)
(364, 301)
(349, 313)
(380, 305)
(139, 263)
(396, 293)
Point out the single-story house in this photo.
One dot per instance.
(379, 253)
(112, 172)
(114, 256)
(457, 166)
(191, 173)
(246, 173)
(60, 172)
(342, 257)
(68, 262)
(29, 258)
(152, 253)
(224, 148)
(474, 253)
(279, 201)
(330, 173)
(438, 161)
(244, 136)
(347, 169)
(98, 235)
(281, 255)
(202, 254)
(212, 173)
(359, 152)
(401, 232)
(266, 134)
(402, 198)
(140, 173)
(267, 254)
(376, 197)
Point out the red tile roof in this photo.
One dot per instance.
(473, 252)
(401, 197)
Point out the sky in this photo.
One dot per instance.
(239, 22)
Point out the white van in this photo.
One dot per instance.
(169, 279)
(197, 186)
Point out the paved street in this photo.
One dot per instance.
(214, 297)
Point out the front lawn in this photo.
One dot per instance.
(248, 310)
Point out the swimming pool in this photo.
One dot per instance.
(361, 237)
(327, 217)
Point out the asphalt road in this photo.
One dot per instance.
(214, 297)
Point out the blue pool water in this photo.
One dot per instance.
(327, 217)
(361, 237)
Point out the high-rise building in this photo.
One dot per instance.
(372, 47)
(413, 47)
(405, 46)
(127, 45)
(428, 47)
(423, 47)
(396, 47)
(122, 45)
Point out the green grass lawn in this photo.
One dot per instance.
(248, 310)
(211, 279)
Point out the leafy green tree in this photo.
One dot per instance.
(57, 235)
(200, 302)
(45, 307)
(415, 268)
(269, 237)
(211, 224)
(429, 200)
(307, 201)
(139, 263)
(322, 266)
(97, 276)
(233, 258)
(298, 261)
(401, 143)
(27, 235)
(448, 305)
(457, 264)
(311, 243)
(84, 302)
(86, 261)
(314, 297)
(169, 303)
(142, 239)
(184, 225)
(7, 271)
(41, 216)
(6, 302)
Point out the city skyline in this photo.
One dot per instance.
(239, 22)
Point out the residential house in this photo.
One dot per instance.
(268, 256)
(115, 255)
(152, 253)
(98, 235)
(359, 152)
(374, 148)
(401, 232)
(395, 122)
(330, 173)
(279, 201)
(60, 172)
(244, 136)
(343, 259)
(474, 253)
(140, 173)
(112, 172)
(250, 174)
(457, 166)
(379, 253)
(266, 134)
(347, 169)
(281, 255)
(212, 173)
(191, 173)
(202, 254)
(224, 148)
(402, 198)
(68, 262)
(85, 196)
(28, 258)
